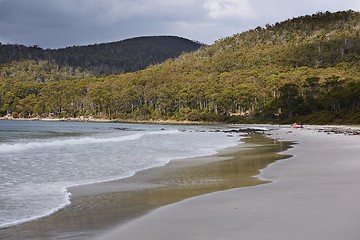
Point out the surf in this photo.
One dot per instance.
(16, 147)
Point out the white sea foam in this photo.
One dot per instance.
(35, 172)
(50, 198)
(6, 147)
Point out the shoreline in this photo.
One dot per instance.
(100, 207)
(312, 196)
(68, 194)
(104, 120)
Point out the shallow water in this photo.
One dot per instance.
(99, 207)
(40, 160)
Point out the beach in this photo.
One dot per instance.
(312, 195)
(96, 209)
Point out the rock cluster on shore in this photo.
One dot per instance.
(340, 130)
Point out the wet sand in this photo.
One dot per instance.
(314, 195)
(98, 208)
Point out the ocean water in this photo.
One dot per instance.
(39, 160)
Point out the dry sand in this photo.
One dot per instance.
(314, 196)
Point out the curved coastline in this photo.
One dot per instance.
(314, 196)
(99, 203)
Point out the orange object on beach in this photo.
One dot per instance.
(295, 125)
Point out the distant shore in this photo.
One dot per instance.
(105, 120)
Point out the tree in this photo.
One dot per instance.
(290, 99)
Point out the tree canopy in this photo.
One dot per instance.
(306, 68)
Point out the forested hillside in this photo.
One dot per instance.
(102, 59)
(303, 69)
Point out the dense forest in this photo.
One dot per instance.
(102, 59)
(303, 69)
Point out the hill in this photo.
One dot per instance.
(104, 59)
(302, 69)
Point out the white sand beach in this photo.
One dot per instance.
(314, 195)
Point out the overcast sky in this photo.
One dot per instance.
(61, 23)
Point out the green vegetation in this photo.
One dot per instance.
(303, 69)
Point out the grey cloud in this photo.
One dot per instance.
(54, 23)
